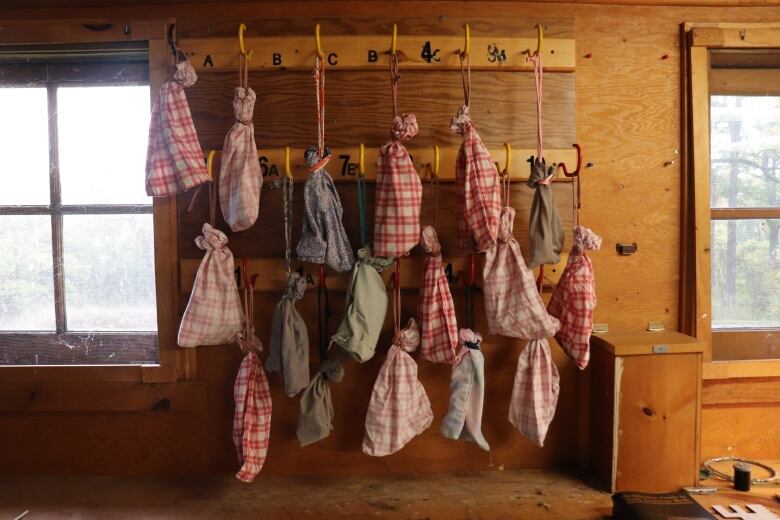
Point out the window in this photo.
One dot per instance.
(77, 271)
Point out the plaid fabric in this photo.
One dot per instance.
(174, 160)
(574, 298)
(478, 200)
(213, 314)
(240, 180)
(436, 311)
(398, 194)
(535, 391)
(512, 303)
(252, 419)
(399, 408)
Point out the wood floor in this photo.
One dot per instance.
(527, 495)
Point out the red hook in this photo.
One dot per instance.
(575, 173)
(472, 272)
(322, 275)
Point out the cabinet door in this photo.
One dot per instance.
(657, 423)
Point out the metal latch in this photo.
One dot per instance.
(660, 349)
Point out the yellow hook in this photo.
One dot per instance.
(436, 161)
(210, 163)
(394, 44)
(362, 161)
(241, 29)
(467, 45)
(317, 41)
(539, 41)
(287, 169)
(508, 150)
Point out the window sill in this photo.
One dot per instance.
(741, 369)
(63, 396)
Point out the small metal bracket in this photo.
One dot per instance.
(655, 326)
(600, 328)
(660, 349)
(626, 249)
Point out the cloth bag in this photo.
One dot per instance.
(574, 298)
(213, 313)
(467, 393)
(240, 180)
(252, 419)
(323, 239)
(316, 407)
(398, 193)
(436, 310)
(174, 159)
(399, 408)
(289, 346)
(366, 307)
(545, 228)
(477, 196)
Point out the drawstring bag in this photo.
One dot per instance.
(289, 347)
(399, 409)
(252, 419)
(513, 306)
(213, 313)
(467, 393)
(316, 407)
(174, 160)
(323, 239)
(545, 229)
(240, 180)
(477, 201)
(366, 307)
(574, 298)
(535, 391)
(436, 310)
(398, 186)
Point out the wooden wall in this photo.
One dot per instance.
(626, 108)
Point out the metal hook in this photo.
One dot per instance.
(436, 162)
(210, 163)
(467, 45)
(171, 38)
(287, 169)
(317, 41)
(362, 161)
(575, 173)
(394, 43)
(241, 48)
(508, 163)
(539, 41)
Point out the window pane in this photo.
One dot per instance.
(109, 272)
(745, 151)
(745, 273)
(24, 132)
(26, 279)
(102, 144)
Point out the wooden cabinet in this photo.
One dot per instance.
(644, 410)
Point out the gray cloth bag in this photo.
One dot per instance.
(366, 307)
(316, 406)
(289, 345)
(545, 228)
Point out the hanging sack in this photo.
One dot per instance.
(366, 307)
(477, 196)
(174, 160)
(513, 306)
(315, 420)
(467, 393)
(574, 298)
(436, 310)
(399, 409)
(213, 314)
(398, 186)
(252, 419)
(535, 391)
(289, 346)
(240, 180)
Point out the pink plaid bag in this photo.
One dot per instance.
(240, 180)
(513, 306)
(535, 391)
(398, 186)
(436, 311)
(174, 160)
(213, 314)
(478, 201)
(399, 409)
(574, 298)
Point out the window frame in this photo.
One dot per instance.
(697, 213)
(174, 363)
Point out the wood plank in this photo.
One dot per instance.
(740, 392)
(102, 397)
(642, 342)
(602, 417)
(743, 213)
(748, 431)
(73, 348)
(736, 344)
(741, 369)
(736, 37)
(744, 82)
(365, 52)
